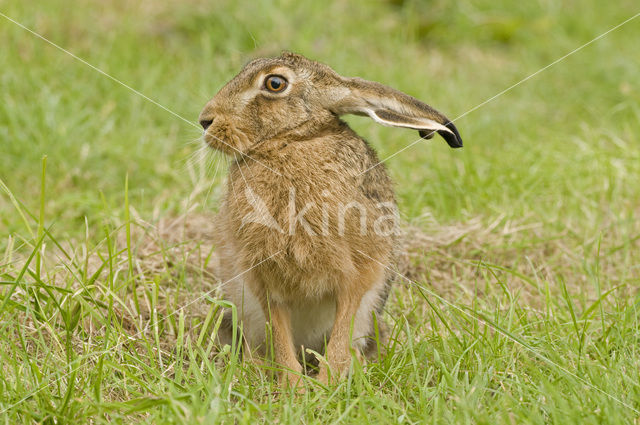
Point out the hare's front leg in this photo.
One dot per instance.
(279, 316)
(282, 339)
(338, 352)
(348, 301)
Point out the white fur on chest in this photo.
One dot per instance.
(311, 323)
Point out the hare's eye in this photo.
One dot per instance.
(275, 83)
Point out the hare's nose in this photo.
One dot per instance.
(206, 123)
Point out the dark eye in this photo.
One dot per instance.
(275, 83)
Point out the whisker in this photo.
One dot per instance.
(212, 183)
(230, 180)
(194, 163)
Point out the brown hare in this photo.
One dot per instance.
(307, 231)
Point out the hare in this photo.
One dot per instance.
(308, 231)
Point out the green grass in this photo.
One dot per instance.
(531, 232)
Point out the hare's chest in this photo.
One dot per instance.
(308, 205)
(306, 219)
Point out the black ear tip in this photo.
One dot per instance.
(454, 140)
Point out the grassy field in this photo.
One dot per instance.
(520, 303)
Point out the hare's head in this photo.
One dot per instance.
(272, 96)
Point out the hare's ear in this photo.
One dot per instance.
(391, 107)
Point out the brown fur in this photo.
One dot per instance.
(325, 280)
